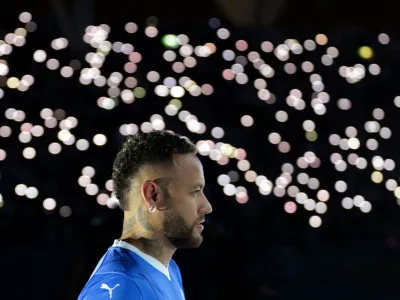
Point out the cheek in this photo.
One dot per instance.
(188, 209)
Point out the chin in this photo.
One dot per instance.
(192, 238)
(189, 243)
(197, 240)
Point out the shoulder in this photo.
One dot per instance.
(117, 286)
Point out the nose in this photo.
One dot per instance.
(206, 208)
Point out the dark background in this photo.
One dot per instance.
(251, 251)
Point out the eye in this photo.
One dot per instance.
(196, 193)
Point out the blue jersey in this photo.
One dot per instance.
(125, 272)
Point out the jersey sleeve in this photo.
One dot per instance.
(111, 286)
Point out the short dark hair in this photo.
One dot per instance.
(141, 149)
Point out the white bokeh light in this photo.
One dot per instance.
(49, 204)
(315, 221)
(99, 139)
(340, 186)
(31, 192)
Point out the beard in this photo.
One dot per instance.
(179, 233)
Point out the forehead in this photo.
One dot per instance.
(188, 168)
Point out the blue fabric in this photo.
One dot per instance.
(122, 274)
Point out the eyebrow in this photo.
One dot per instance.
(198, 186)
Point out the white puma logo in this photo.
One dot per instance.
(110, 290)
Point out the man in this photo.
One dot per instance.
(159, 182)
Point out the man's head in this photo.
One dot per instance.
(160, 170)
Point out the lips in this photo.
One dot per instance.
(200, 223)
(200, 227)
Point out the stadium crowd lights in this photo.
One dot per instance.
(123, 87)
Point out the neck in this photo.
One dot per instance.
(139, 231)
(155, 248)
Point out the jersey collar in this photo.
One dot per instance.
(151, 260)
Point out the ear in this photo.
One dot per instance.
(150, 193)
(155, 195)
